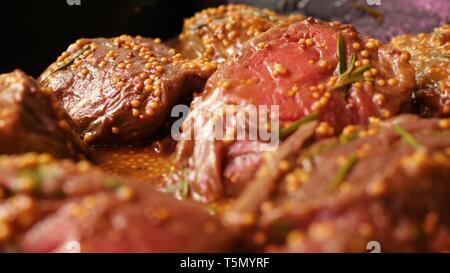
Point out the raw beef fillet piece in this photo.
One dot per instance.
(120, 90)
(384, 21)
(430, 56)
(293, 66)
(59, 206)
(31, 119)
(386, 184)
(215, 33)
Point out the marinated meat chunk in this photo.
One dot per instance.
(121, 89)
(430, 56)
(388, 182)
(31, 119)
(305, 68)
(215, 33)
(59, 206)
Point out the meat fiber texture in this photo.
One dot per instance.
(60, 206)
(371, 185)
(293, 66)
(215, 33)
(121, 90)
(430, 56)
(31, 119)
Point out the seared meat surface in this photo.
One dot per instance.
(216, 33)
(388, 182)
(31, 119)
(293, 66)
(302, 136)
(56, 206)
(430, 56)
(120, 90)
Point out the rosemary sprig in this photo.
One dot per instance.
(442, 133)
(347, 73)
(285, 132)
(182, 189)
(406, 136)
(68, 61)
(342, 63)
(343, 139)
(281, 228)
(32, 175)
(351, 77)
(351, 64)
(112, 183)
(378, 16)
(360, 70)
(200, 25)
(220, 18)
(211, 209)
(343, 172)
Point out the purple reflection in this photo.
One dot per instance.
(398, 16)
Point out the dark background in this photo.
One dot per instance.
(34, 33)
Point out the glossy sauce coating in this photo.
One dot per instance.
(147, 163)
(216, 33)
(430, 56)
(120, 90)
